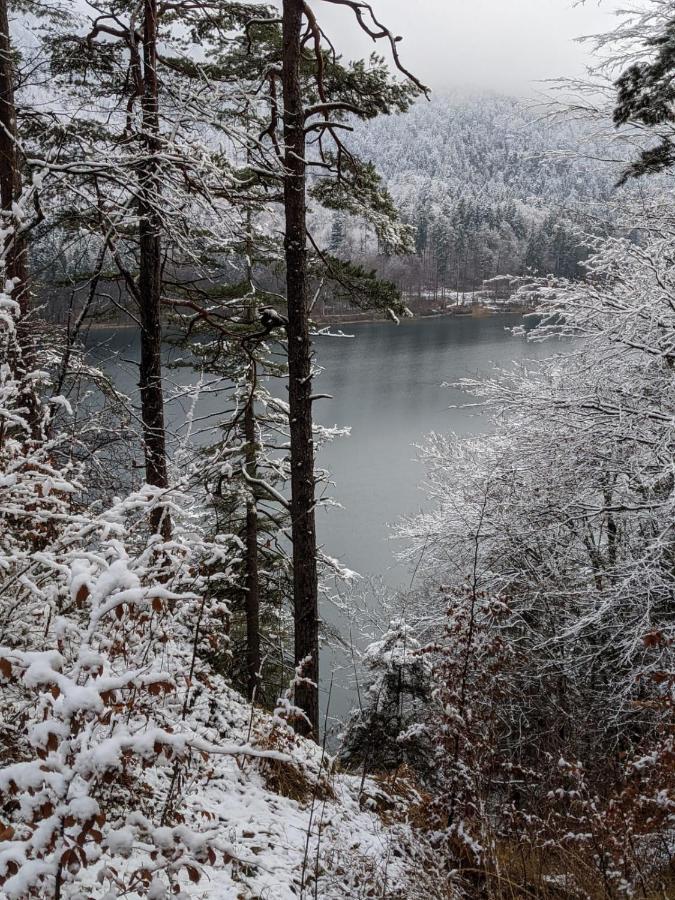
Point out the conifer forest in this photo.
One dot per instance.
(337, 450)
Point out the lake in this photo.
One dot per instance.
(386, 381)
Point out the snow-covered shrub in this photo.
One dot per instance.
(105, 694)
(473, 687)
(100, 662)
(387, 730)
(561, 525)
(85, 713)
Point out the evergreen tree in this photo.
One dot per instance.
(335, 91)
(161, 211)
(387, 730)
(645, 96)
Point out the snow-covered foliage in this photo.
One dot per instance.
(129, 767)
(578, 478)
(536, 710)
(94, 810)
(554, 542)
(386, 731)
(490, 186)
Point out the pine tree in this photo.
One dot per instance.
(150, 263)
(159, 198)
(337, 91)
(388, 729)
(644, 97)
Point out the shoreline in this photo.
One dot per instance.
(484, 314)
(332, 321)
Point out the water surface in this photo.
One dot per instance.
(386, 382)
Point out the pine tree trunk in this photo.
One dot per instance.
(253, 659)
(305, 588)
(16, 267)
(150, 279)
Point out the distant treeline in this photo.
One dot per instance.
(488, 188)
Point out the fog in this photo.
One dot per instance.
(504, 45)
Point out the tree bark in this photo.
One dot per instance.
(303, 531)
(10, 178)
(252, 580)
(253, 659)
(150, 278)
(16, 266)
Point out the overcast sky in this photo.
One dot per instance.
(505, 45)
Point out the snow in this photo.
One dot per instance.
(269, 837)
(63, 403)
(120, 841)
(260, 840)
(83, 808)
(134, 770)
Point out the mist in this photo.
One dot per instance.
(503, 45)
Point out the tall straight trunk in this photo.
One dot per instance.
(253, 658)
(16, 266)
(150, 278)
(305, 588)
(10, 178)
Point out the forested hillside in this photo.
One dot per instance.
(489, 185)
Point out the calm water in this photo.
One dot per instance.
(386, 381)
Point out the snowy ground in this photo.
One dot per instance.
(325, 840)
